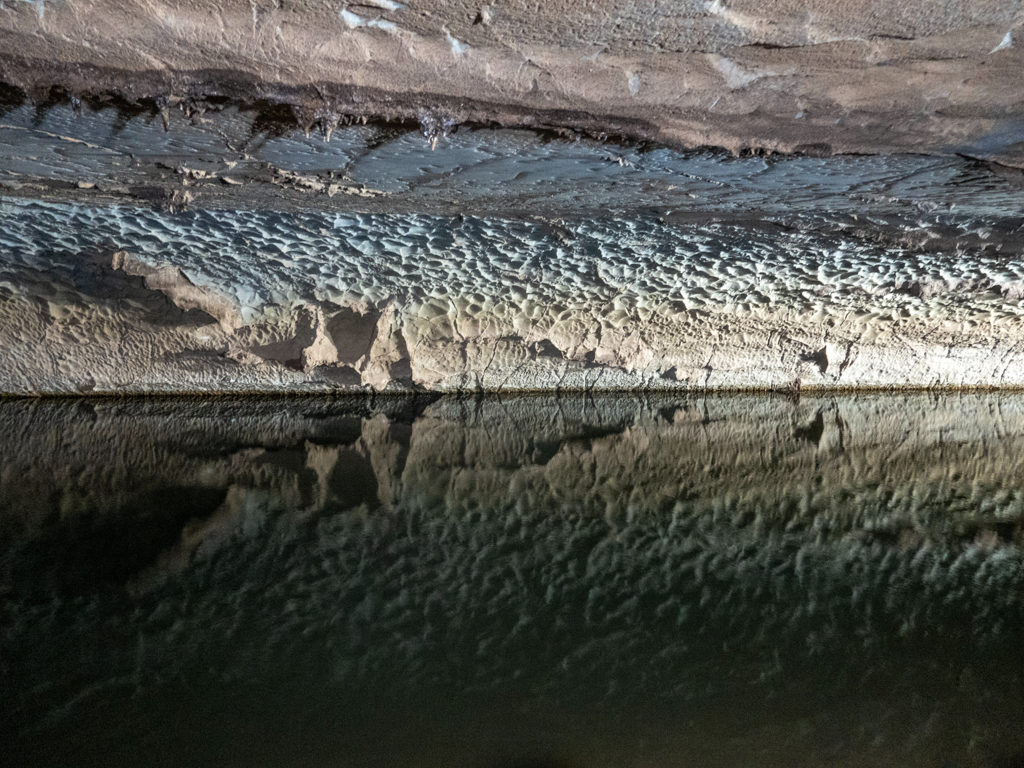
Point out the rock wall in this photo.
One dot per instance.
(437, 196)
(132, 300)
(722, 579)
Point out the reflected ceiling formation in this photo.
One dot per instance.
(561, 581)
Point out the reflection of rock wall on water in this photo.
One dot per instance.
(653, 549)
(862, 76)
(920, 464)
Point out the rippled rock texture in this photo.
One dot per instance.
(222, 300)
(136, 260)
(561, 581)
(440, 196)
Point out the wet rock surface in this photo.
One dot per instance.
(593, 581)
(231, 157)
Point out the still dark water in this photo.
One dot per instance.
(513, 583)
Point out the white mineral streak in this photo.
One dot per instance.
(1006, 42)
(317, 301)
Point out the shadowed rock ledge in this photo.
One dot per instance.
(824, 77)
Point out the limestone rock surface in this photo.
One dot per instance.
(823, 77)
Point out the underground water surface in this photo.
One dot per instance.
(518, 581)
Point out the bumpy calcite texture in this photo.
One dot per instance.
(746, 576)
(119, 299)
(232, 254)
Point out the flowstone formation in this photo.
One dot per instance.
(288, 197)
